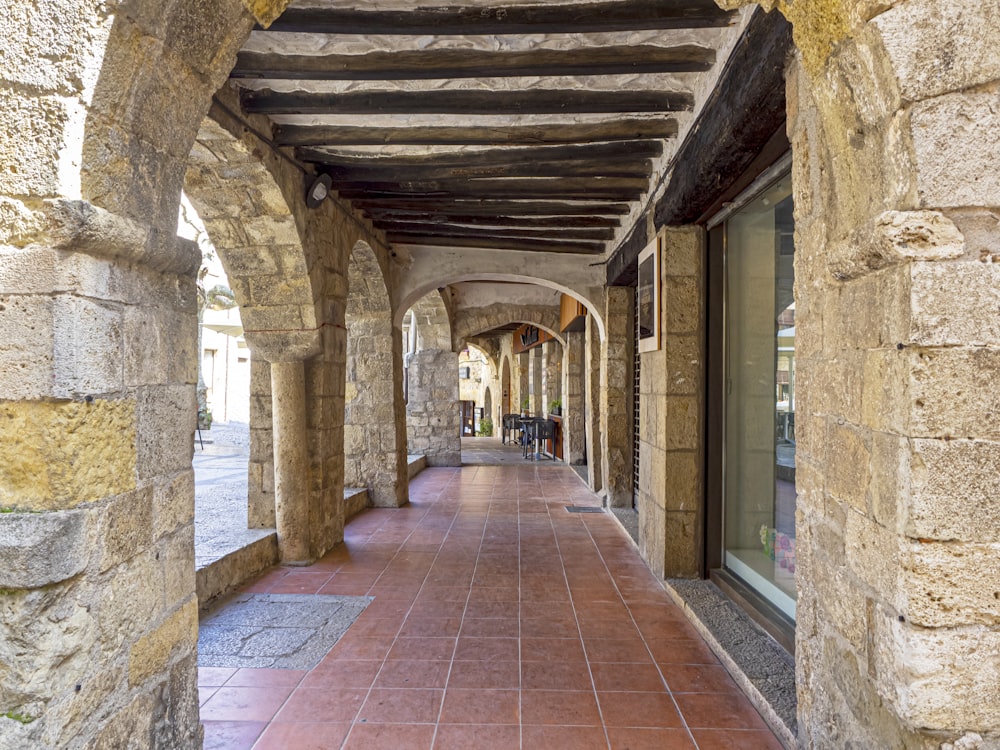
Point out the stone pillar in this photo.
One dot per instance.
(574, 405)
(98, 365)
(616, 396)
(432, 414)
(592, 393)
(291, 462)
(260, 484)
(895, 165)
(535, 367)
(551, 373)
(523, 380)
(672, 408)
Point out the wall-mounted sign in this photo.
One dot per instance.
(528, 337)
(648, 297)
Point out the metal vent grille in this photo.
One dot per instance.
(583, 509)
(637, 361)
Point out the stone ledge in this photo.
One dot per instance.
(355, 500)
(232, 569)
(414, 465)
(39, 549)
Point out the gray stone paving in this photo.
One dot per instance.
(482, 451)
(278, 631)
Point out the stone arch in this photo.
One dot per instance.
(433, 420)
(473, 321)
(589, 290)
(374, 418)
(252, 227)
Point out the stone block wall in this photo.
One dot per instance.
(432, 415)
(592, 392)
(671, 420)
(574, 406)
(893, 121)
(551, 373)
(617, 353)
(260, 486)
(97, 371)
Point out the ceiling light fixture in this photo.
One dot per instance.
(318, 190)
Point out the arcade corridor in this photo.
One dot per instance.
(499, 620)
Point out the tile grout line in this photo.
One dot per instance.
(395, 638)
(666, 683)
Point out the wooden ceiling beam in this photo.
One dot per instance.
(474, 207)
(473, 170)
(553, 232)
(464, 102)
(488, 135)
(388, 216)
(494, 243)
(584, 17)
(444, 64)
(527, 189)
(643, 149)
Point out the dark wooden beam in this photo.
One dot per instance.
(491, 243)
(552, 232)
(473, 170)
(492, 135)
(499, 156)
(511, 19)
(516, 189)
(473, 207)
(464, 102)
(388, 216)
(737, 122)
(445, 64)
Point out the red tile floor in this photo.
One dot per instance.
(500, 620)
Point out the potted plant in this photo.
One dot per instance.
(555, 407)
(524, 406)
(486, 427)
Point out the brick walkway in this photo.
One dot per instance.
(500, 620)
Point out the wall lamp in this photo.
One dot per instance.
(318, 190)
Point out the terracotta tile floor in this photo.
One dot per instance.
(500, 620)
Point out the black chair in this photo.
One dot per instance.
(511, 424)
(527, 435)
(545, 430)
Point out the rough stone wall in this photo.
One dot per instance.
(574, 426)
(432, 415)
(894, 123)
(618, 350)
(671, 416)
(260, 468)
(535, 392)
(551, 373)
(523, 375)
(592, 392)
(98, 364)
(374, 419)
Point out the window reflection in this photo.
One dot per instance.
(759, 497)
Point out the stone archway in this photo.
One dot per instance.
(433, 419)
(374, 417)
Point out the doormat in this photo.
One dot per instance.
(584, 509)
(278, 631)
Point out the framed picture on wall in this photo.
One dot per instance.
(648, 297)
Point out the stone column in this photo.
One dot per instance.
(672, 408)
(291, 462)
(260, 468)
(523, 379)
(98, 365)
(897, 346)
(551, 373)
(432, 413)
(592, 392)
(574, 405)
(616, 396)
(536, 366)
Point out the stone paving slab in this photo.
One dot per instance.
(277, 631)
